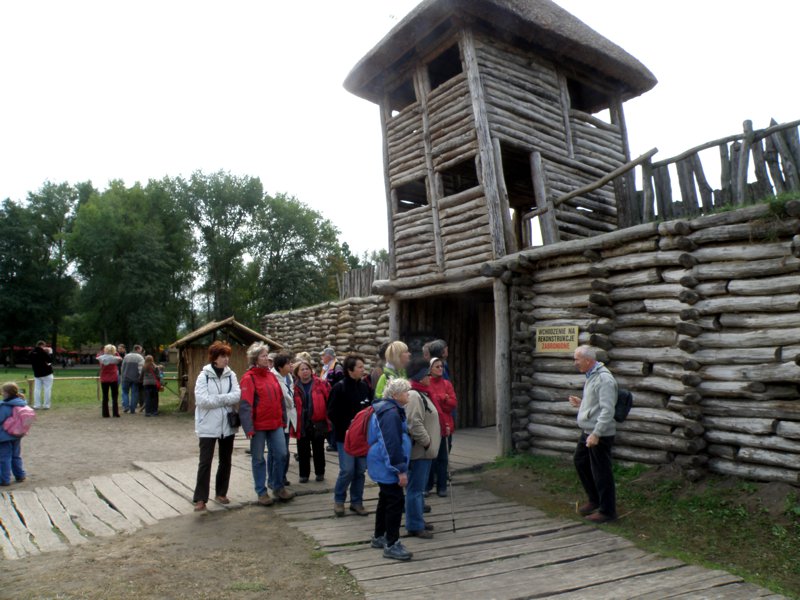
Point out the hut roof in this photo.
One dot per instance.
(541, 23)
(236, 330)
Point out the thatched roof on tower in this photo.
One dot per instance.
(540, 23)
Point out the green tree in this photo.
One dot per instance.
(24, 301)
(52, 210)
(220, 207)
(133, 247)
(298, 255)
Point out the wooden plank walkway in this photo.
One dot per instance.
(500, 550)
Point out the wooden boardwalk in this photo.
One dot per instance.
(500, 550)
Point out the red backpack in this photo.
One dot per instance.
(19, 422)
(355, 440)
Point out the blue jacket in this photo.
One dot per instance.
(389, 443)
(6, 408)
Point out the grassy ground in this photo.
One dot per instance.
(750, 529)
(71, 388)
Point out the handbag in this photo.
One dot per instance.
(233, 419)
(157, 377)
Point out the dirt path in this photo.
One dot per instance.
(68, 444)
(242, 554)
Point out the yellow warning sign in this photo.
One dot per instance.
(557, 339)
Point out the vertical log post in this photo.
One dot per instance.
(565, 107)
(394, 319)
(547, 220)
(422, 86)
(488, 170)
(740, 187)
(505, 207)
(724, 173)
(502, 367)
(648, 209)
(706, 193)
(391, 195)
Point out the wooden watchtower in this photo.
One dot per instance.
(489, 110)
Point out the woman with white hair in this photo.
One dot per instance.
(263, 419)
(387, 465)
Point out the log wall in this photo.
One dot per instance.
(351, 325)
(698, 318)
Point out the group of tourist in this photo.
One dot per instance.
(280, 396)
(139, 376)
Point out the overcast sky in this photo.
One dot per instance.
(117, 89)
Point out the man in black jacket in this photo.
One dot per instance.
(42, 363)
(348, 397)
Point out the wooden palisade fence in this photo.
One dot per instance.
(358, 282)
(773, 154)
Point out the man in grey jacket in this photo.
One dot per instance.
(130, 369)
(596, 420)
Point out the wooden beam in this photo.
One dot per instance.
(391, 195)
(607, 178)
(505, 207)
(548, 223)
(487, 171)
(502, 367)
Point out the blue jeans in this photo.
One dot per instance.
(11, 461)
(130, 389)
(276, 446)
(417, 479)
(351, 473)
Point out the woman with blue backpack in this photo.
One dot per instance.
(387, 465)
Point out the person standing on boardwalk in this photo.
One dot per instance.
(216, 393)
(332, 373)
(347, 398)
(397, 357)
(109, 378)
(262, 415)
(282, 369)
(387, 464)
(42, 364)
(593, 452)
(425, 432)
(130, 372)
(310, 399)
(443, 396)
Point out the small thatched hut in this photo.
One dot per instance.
(193, 352)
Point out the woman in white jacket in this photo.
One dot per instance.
(216, 394)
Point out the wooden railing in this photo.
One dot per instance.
(772, 155)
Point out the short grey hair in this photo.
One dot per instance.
(395, 387)
(255, 349)
(587, 351)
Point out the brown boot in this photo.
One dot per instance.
(338, 509)
(265, 500)
(358, 509)
(587, 509)
(283, 495)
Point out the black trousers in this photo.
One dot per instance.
(150, 399)
(313, 443)
(204, 467)
(596, 475)
(114, 387)
(389, 512)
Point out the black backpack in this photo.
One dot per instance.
(624, 405)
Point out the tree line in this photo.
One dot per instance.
(147, 262)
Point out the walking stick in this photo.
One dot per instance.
(450, 483)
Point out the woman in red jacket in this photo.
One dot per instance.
(310, 398)
(443, 396)
(262, 414)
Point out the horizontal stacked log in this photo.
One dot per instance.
(464, 227)
(706, 335)
(351, 325)
(414, 242)
(405, 147)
